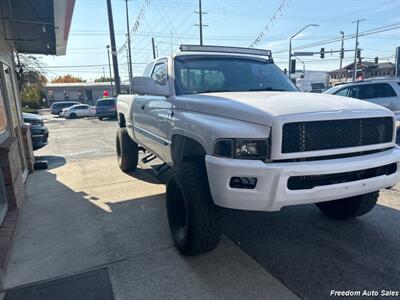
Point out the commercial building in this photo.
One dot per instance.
(366, 70)
(33, 27)
(84, 92)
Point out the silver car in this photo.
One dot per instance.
(385, 92)
(78, 111)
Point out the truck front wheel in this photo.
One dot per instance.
(127, 151)
(193, 218)
(349, 207)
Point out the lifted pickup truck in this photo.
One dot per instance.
(238, 134)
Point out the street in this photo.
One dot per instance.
(83, 214)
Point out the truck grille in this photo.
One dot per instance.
(335, 134)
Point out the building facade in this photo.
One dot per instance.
(84, 92)
(34, 27)
(366, 70)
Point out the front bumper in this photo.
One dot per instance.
(271, 192)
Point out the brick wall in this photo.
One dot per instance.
(11, 168)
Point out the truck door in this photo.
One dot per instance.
(152, 114)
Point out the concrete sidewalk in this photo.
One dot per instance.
(87, 214)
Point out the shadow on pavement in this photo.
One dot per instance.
(313, 255)
(63, 231)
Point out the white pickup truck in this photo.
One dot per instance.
(238, 134)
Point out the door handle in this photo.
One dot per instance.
(143, 106)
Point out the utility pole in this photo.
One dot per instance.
(356, 49)
(341, 57)
(153, 47)
(113, 49)
(109, 68)
(129, 46)
(201, 25)
(104, 73)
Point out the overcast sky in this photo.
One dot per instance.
(230, 22)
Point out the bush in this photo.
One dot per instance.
(30, 110)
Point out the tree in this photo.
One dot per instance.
(31, 80)
(67, 79)
(103, 79)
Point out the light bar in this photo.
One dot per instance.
(239, 50)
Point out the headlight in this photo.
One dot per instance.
(243, 148)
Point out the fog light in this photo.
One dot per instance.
(243, 183)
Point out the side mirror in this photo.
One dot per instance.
(147, 86)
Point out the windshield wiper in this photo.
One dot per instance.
(267, 89)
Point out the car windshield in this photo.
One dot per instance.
(194, 75)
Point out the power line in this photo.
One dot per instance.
(269, 24)
(351, 36)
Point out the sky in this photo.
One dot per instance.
(230, 23)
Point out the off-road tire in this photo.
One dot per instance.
(349, 207)
(193, 218)
(127, 151)
(73, 116)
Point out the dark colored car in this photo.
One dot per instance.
(57, 107)
(39, 132)
(106, 108)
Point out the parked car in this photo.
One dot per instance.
(57, 107)
(78, 111)
(385, 92)
(106, 108)
(39, 132)
(237, 134)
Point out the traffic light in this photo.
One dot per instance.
(293, 66)
(358, 53)
(322, 52)
(376, 59)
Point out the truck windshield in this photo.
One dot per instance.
(194, 75)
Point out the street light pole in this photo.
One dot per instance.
(341, 57)
(290, 45)
(109, 68)
(356, 49)
(129, 46)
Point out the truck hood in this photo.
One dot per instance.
(262, 107)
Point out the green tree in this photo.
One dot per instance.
(103, 79)
(31, 88)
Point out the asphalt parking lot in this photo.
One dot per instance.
(296, 252)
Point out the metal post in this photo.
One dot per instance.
(109, 68)
(129, 47)
(154, 48)
(290, 44)
(341, 57)
(290, 58)
(201, 23)
(355, 49)
(113, 49)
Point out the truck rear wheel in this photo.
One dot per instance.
(349, 207)
(127, 151)
(193, 218)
